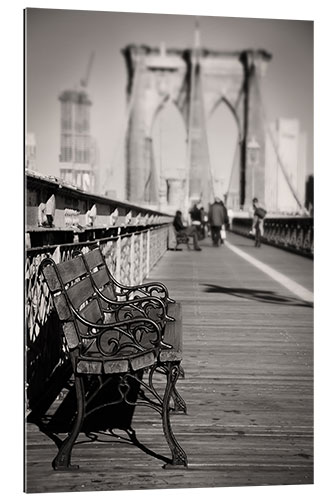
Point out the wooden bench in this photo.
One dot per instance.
(119, 338)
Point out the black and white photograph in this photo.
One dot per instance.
(168, 251)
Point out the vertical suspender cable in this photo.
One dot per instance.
(124, 126)
(194, 87)
(232, 173)
(189, 133)
(204, 117)
(276, 150)
(239, 137)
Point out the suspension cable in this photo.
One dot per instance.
(233, 168)
(189, 138)
(122, 131)
(204, 118)
(276, 148)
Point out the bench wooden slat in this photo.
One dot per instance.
(61, 306)
(51, 278)
(100, 277)
(80, 292)
(87, 366)
(72, 269)
(109, 292)
(173, 335)
(71, 335)
(116, 366)
(94, 258)
(142, 361)
(92, 312)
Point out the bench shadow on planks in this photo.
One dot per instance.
(118, 338)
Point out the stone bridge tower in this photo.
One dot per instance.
(196, 81)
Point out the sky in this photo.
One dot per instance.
(59, 44)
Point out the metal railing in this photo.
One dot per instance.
(295, 234)
(130, 257)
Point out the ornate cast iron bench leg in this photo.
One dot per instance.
(179, 405)
(63, 459)
(179, 457)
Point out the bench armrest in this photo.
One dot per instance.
(136, 334)
(146, 306)
(146, 289)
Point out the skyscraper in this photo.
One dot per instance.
(76, 145)
(30, 151)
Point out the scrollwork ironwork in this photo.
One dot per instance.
(291, 233)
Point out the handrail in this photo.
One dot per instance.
(295, 234)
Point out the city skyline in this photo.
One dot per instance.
(287, 88)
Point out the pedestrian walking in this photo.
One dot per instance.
(218, 217)
(258, 222)
(195, 215)
(204, 222)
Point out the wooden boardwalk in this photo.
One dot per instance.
(248, 360)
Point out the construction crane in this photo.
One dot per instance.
(84, 81)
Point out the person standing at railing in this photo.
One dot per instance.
(258, 222)
(189, 231)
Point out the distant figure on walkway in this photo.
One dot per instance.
(204, 222)
(195, 214)
(217, 217)
(187, 231)
(196, 219)
(258, 222)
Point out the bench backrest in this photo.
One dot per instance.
(71, 288)
(76, 300)
(100, 273)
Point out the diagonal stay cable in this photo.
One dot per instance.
(276, 148)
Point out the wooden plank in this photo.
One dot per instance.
(94, 258)
(51, 278)
(173, 335)
(71, 269)
(62, 307)
(80, 292)
(92, 313)
(101, 277)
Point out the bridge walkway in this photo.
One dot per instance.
(248, 361)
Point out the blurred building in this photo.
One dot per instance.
(77, 148)
(30, 151)
(220, 187)
(172, 193)
(290, 143)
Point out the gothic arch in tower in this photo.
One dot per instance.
(195, 80)
(168, 134)
(224, 140)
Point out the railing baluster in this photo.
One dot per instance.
(292, 233)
